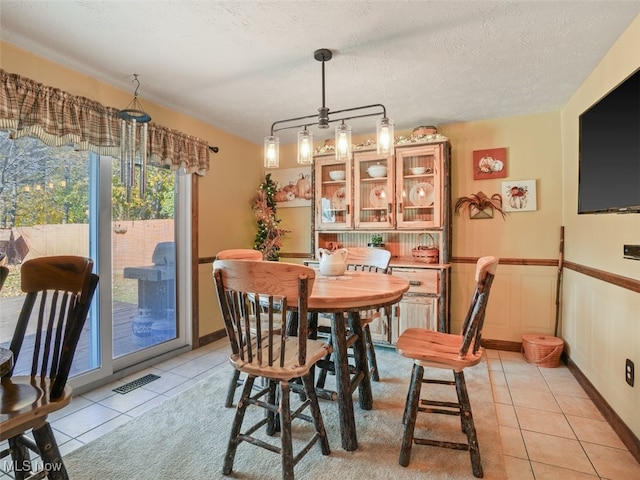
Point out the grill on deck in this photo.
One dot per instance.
(156, 295)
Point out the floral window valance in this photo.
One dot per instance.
(28, 108)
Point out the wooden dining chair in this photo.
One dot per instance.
(365, 259)
(429, 348)
(246, 288)
(237, 254)
(61, 289)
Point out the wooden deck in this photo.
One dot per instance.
(124, 341)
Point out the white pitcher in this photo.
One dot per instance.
(332, 263)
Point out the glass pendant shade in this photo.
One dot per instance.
(384, 134)
(305, 147)
(271, 152)
(343, 142)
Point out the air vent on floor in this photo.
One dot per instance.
(127, 387)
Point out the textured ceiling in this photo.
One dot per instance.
(241, 65)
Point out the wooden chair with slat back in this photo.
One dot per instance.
(365, 259)
(244, 288)
(237, 254)
(440, 350)
(61, 289)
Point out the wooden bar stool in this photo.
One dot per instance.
(264, 350)
(364, 259)
(452, 352)
(237, 254)
(59, 291)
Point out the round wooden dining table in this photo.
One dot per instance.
(351, 293)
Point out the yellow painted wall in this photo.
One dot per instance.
(601, 322)
(225, 216)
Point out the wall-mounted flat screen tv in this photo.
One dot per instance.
(609, 165)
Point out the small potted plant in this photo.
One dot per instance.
(376, 241)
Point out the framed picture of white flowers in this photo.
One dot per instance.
(519, 196)
(490, 163)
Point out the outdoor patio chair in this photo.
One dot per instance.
(62, 287)
(433, 349)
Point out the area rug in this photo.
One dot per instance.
(186, 437)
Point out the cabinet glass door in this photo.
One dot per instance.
(419, 186)
(373, 190)
(332, 193)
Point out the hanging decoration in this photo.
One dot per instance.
(269, 237)
(133, 143)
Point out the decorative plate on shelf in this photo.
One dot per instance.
(422, 194)
(339, 199)
(378, 197)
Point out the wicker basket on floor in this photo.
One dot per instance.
(542, 350)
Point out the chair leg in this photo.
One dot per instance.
(285, 435)
(273, 422)
(233, 385)
(234, 441)
(371, 354)
(322, 372)
(20, 458)
(468, 426)
(307, 381)
(410, 414)
(50, 453)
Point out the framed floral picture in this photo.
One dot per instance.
(490, 163)
(519, 196)
(293, 186)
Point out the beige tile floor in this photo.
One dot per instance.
(550, 429)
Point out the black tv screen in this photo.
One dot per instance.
(609, 165)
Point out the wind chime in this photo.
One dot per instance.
(133, 143)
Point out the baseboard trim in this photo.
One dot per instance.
(212, 337)
(624, 433)
(502, 345)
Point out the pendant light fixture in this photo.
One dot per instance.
(305, 147)
(133, 143)
(384, 128)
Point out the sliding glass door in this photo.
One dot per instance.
(58, 201)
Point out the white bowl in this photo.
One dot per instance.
(418, 170)
(377, 171)
(337, 175)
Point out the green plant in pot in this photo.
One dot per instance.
(376, 241)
